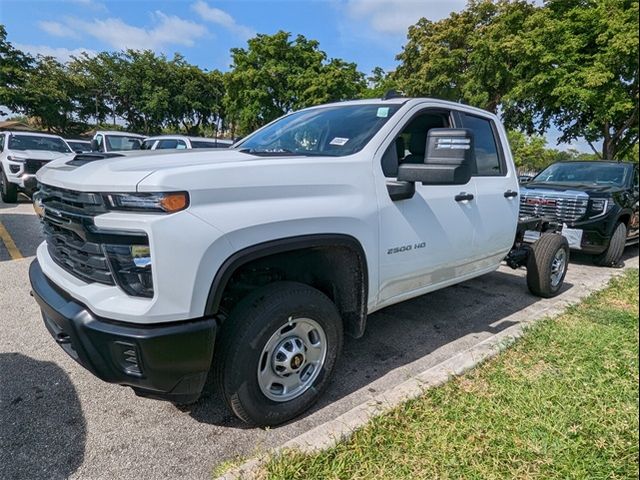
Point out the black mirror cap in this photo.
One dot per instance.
(94, 145)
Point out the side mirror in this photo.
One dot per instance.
(448, 160)
(94, 146)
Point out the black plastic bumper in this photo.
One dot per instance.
(165, 361)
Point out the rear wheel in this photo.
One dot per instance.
(547, 265)
(612, 255)
(277, 351)
(8, 191)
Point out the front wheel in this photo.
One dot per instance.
(612, 255)
(277, 351)
(547, 265)
(8, 191)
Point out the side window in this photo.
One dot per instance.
(167, 144)
(636, 178)
(99, 142)
(1, 143)
(181, 145)
(488, 161)
(410, 145)
(147, 145)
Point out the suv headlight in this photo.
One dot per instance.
(166, 202)
(13, 158)
(131, 265)
(600, 206)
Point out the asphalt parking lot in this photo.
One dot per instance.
(58, 421)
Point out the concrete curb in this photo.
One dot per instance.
(328, 434)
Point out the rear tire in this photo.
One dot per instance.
(8, 191)
(612, 255)
(547, 265)
(284, 332)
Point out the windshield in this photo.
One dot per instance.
(332, 131)
(585, 173)
(34, 142)
(79, 146)
(116, 143)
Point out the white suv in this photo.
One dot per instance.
(252, 262)
(22, 154)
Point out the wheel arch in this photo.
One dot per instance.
(346, 258)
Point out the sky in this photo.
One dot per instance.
(368, 32)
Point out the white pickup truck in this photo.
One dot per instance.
(251, 263)
(22, 154)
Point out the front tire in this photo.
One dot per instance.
(547, 265)
(277, 351)
(612, 255)
(8, 191)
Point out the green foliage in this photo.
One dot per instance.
(14, 68)
(379, 83)
(578, 69)
(568, 63)
(276, 74)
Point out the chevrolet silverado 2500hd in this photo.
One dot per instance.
(252, 262)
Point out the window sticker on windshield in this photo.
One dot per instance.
(383, 112)
(340, 141)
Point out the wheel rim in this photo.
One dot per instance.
(292, 359)
(558, 266)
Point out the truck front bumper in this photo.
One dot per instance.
(169, 361)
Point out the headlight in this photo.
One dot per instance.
(13, 158)
(168, 202)
(131, 265)
(599, 206)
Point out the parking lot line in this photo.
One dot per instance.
(9, 243)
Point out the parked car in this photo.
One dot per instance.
(114, 141)
(22, 154)
(181, 142)
(254, 261)
(79, 146)
(597, 202)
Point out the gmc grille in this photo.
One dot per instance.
(563, 207)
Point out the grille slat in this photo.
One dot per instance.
(564, 207)
(68, 215)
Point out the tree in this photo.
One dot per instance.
(14, 68)
(464, 57)
(379, 83)
(578, 69)
(275, 75)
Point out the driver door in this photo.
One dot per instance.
(427, 240)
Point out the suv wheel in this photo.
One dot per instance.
(612, 255)
(276, 352)
(8, 191)
(547, 265)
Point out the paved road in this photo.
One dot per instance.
(58, 421)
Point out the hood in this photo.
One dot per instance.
(41, 154)
(124, 173)
(559, 187)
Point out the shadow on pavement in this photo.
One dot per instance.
(42, 428)
(25, 231)
(408, 331)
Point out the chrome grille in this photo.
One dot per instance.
(67, 223)
(566, 206)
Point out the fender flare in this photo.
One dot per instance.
(283, 245)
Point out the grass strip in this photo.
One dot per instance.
(561, 403)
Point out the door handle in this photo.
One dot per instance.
(510, 194)
(463, 196)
